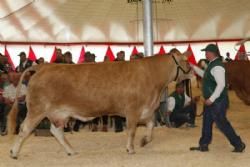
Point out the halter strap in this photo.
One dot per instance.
(179, 68)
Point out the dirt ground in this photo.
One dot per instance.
(170, 147)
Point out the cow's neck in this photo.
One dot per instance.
(165, 70)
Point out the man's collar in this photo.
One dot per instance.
(213, 60)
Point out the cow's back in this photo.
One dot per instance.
(111, 87)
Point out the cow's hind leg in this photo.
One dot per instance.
(26, 128)
(148, 138)
(59, 135)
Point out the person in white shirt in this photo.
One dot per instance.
(181, 109)
(215, 94)
(9, 94)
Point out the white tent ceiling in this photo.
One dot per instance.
(118, 21)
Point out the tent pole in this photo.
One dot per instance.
(148, 28)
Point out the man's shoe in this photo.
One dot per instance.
(240, 148)
(199, 148)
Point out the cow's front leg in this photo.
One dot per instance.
(131, 129)
(148, 138)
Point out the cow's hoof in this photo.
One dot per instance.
(144, 141)
(12, 156)
(73, 153)
(130, 151)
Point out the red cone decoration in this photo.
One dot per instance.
(110, 54)
(134, 51)
(162, 51)
(81, 58)
(242, 50)
(53, 58)
(6, 53)
(191, 57)
(32, 55)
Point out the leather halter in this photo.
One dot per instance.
(179, 68)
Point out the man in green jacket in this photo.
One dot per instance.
(216, 102)
(181, 108)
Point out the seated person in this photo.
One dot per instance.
(181, 109)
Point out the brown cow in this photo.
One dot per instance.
(85, 91)
(238, 73)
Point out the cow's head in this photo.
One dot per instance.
(183, 69)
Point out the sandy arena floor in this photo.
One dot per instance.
(170, 147)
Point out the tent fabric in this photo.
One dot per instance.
(119, 21)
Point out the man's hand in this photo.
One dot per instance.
(208, 102)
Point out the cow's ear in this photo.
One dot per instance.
(187, 53)
(185, 58)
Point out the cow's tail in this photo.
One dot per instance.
(12, 116)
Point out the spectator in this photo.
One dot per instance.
(68, 58)
(137, 56)
(120, 56)
(228, 58)
(89, 57)
(9, 94)
(3, 83)
(119, 120)
(180, 107)
(40, 60)
(160, 114)
(59, 56)
(2, 67)
(24, 63)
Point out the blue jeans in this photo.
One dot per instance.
(186, 114)
(160, 114)
(217, 113)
